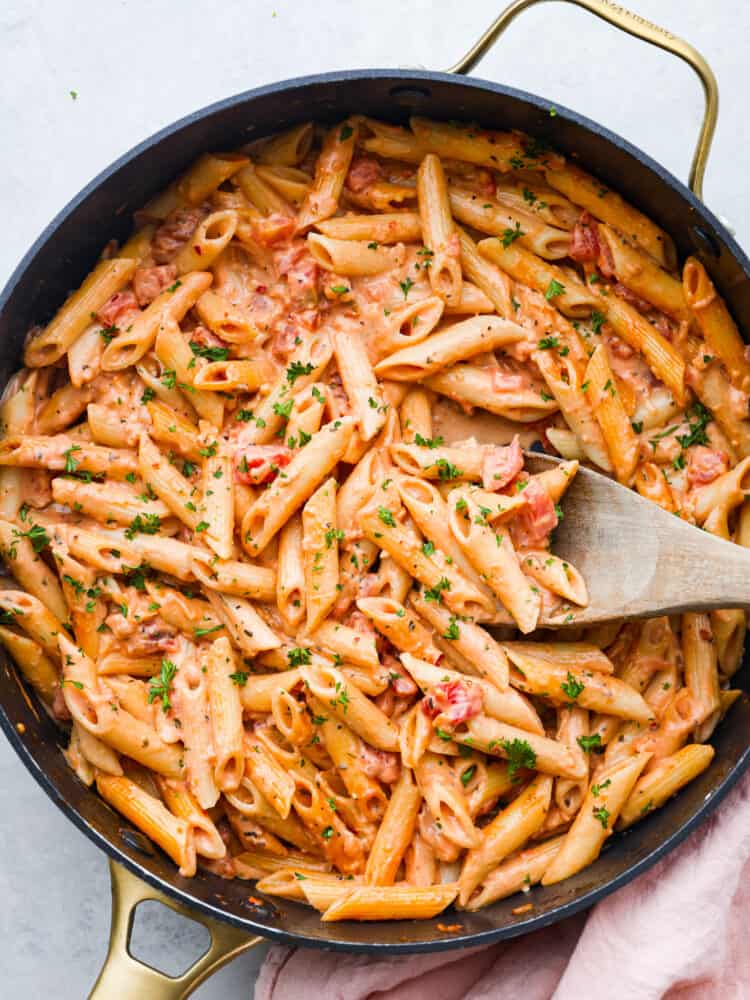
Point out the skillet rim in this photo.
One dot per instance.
(445, 942)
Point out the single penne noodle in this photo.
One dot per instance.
(347, 752)
(583, 655)
(439, 229)
(229, 376)
(360, 384)
(175, 492)
(415, 415)
(210, 237)
(226, 714)
(37, 668)
(447, 346)
(290, 573)
(190, 615)
(566, 384)
(392, 902)
(516, 874)
(507, 832)
(119, 663)
(495, 737)
(470, 385)
(102, 757)
(498, 219)
(192, 706)
(471, 640)
(290, 182)
(270, 777)
(444, 795)
(305, 472)
(485, 147)
(179, 364)
(575, 300)
(564, 684)
(392, 141)
(400, 626)
(239, 578)
(30, 570)
(638, 272)
(506, 706)
(63, 453)
(608, 206)
(353, 258)
(555, 574)
(130, 345)
(257, 693)
(538, 199)
(355, 709)
(663, 781)
(173, 429)
(389, 227)
(716, 324)
(181, 803)
(151, 816)
(461, 595)
(491, 553)
(351, 645)
(286, 148)
(287, 884)
(472, 301)
(663, 358)
(701, 663)
(332, 166)
(594, 823)
(226, 319)
(407, 326)
(34, 618)
(729, 627)
(62, 409)
(217, 508)
(427, 461)
(200, 180)
(603, 397)
(70, 321)
(487, 276)
(260, 194)
(245, 627)
(320, 553)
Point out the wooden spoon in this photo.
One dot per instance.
(637, 560)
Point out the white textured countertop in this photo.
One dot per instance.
(136, 66)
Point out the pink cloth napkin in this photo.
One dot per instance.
(680, 932)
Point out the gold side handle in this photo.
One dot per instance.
(125, 978)
(638, 26)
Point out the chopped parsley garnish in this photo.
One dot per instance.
(145, 524)
(591, 744)
(520, 757)
(571, 687)
(406, 286)
(299, 657)
(200, 632)
(510, 235)
(447, 471)
(428, 548)
(70, 463)
(547, 343)
(386, 516)
(346, 133)
(296, 369)
(452, 631)
(424, 442)
(699, 417)
(435, 594)
(468, 774)
(554, 289)
(333, 535)
(602, 815)
(597, 320)
(209, 353)
(159, 686)
(239, 678)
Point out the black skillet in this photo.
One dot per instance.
(59, 260)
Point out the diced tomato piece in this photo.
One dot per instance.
(536, 519)
(630, 297)
(584, 240)
(150, 282)
(119, 305)
(457, 700)
(174, 232)
(706, 464)
(362, 173)
(256, 464)
(501, 465)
